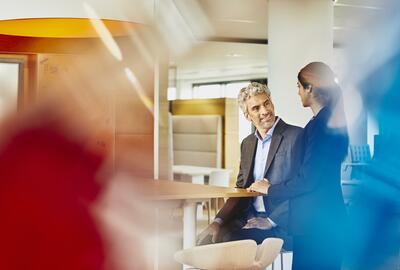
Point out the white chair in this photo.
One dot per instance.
(281, 253)
(243, 254)
(220, 179)
(358, 158)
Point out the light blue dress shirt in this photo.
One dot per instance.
(260, 160)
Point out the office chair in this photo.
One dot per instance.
(360, 153)
(242, 254)
(359, 157)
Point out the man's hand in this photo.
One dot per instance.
(260, 186)
(258, 223)
(212, 230)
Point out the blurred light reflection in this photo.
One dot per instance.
(139, 89)
(103, 32)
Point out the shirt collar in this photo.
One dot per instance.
(269, 133)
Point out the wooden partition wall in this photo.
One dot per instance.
(83, 73)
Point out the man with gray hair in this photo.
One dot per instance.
(273, 151)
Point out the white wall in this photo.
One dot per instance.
(300, 31)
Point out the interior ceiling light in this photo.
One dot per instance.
(237, 21)
(61, 27)
(103, 32)
(233, 55)
(356, 6)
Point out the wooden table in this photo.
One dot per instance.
(190, 195)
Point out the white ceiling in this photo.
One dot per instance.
(244, 19)
(239, 31)
(129, 10)
(223, 55)
(213, 34)
(237, 18)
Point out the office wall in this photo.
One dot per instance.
(298, 32)
(100, 90)
(82, 74)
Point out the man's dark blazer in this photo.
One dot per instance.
(283, 162)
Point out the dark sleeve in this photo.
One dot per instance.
(235, 206)
(279, 214)
(240, 181)
(311, 171)
(297, 155)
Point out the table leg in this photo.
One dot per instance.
(199, 179)
(189, 224)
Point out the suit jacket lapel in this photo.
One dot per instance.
(275, 142)
(250, 155)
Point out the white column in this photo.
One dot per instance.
(299, 32)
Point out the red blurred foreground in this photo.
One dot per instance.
(48, 181)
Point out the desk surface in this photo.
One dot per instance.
(171, 190)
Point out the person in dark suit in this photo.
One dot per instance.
(317, 211)
(273, 152)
